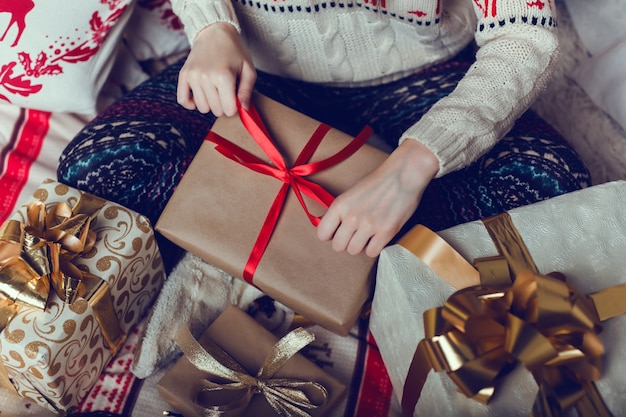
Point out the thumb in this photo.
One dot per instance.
(246, 85)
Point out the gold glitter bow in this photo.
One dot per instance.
(540, 321)
(37, 255)
(288, 397)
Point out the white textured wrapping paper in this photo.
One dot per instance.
(582, 234)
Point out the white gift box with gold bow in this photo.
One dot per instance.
(76, 274)
(581, 235)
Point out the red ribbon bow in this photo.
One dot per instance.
(292, 177)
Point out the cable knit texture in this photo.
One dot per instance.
(353, 43)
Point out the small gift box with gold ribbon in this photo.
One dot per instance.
(519, 314)
(238, 368)
(250, 201)
(76, 274)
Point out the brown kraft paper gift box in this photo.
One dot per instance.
(248, 343)
(220, 207)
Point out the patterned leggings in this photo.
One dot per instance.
(136, 151)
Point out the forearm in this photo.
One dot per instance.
(514, 63)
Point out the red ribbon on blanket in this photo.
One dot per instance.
(292, 177)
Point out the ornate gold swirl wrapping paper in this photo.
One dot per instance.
(581, 234)
(54, 357)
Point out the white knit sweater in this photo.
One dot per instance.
(361, 42)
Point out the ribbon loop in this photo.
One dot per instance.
(38, 256)
(476, 356)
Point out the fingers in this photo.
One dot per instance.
(217, 71)
(327, 226)
(247, 79)
(183, 94)
(351, 236)
(218, 96)
(376, 244)
(358, 241)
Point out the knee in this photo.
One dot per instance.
(125, 163)
(533, 168)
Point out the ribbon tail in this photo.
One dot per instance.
(265, 234)
(320, 196)
(343, 154)
(416, 379)
(210, 392)
(75, 283)
(8, 310)
(102, 304)
(608, 303)
(592, 403)
(283, 350)
(509, 243)
(285, 408)
(209, 358)
(254, 125)
(543, 407)
(5, 382)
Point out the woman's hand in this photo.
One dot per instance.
(218, 70)
(370, 214)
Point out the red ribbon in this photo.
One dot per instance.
(291, 177)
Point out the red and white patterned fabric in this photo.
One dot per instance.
(155, 31)
(56, 55)
(113, 391)
(30, 144)
(48, 93)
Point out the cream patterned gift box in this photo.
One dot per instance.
(54, 356)
(581, 235)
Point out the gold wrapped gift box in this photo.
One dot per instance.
(247, 371)
(448, 336)
(244, 215)
(77, 273)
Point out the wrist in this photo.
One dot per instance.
(212, 29)
(421, 159)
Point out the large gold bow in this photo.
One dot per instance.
(540, 321)
(288, 397)
(38, 255)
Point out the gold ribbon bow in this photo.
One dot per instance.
(288, 397)
(38, 255)
(540, 321)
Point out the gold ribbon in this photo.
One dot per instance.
(287, 397)
(38, 255)
(484, 331)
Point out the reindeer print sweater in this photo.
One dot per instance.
(364, 42)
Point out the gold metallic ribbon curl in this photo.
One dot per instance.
(287, 397)
(37, 255)
(540, 321)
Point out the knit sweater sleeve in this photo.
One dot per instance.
(198, 14)
(517, 53)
